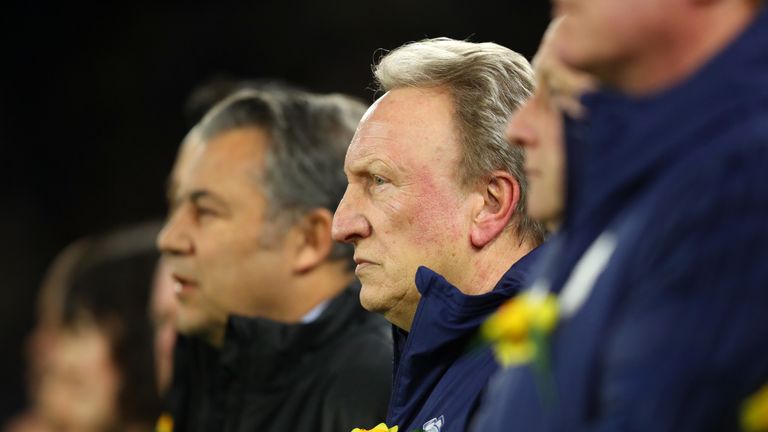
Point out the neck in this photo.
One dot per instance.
(308, 290)
(214, 336)
(302, 294)
(480, 276)
(492, 262)
(684, 51)
(402, 315)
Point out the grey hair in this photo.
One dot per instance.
(487, 82)
(308, 139)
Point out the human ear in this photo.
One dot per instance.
(501, 194)
(314, 242)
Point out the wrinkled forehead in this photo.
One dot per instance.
(407, 125)
(374, 138)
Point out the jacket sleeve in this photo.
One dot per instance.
(687, 343)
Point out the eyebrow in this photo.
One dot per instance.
(366, 165)
(200, 194)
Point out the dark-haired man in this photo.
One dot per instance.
(278, 339)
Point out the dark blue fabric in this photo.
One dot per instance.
(674, 334)
(437, 371)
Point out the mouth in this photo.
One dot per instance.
(362, 264)
(183, 284)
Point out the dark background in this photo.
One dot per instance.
(91, 102)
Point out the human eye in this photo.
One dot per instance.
(378, 180)
(203, 212)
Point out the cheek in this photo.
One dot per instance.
(413, 225)
(592, 34)
(108, 385)
(221, 255)
(551, 158)
(436, 213)
(552, 146)
(622, 29)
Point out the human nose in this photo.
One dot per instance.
(349, 224)
(174, 238)
(519, 131)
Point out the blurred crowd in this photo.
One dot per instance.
(578, 243)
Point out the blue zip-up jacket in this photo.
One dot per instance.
(438, 375)
(665, 246)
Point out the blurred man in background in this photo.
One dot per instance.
(660, 263)
(537, 127)
(435, 208)
(163, 312)
(275, 337)
(92, 362)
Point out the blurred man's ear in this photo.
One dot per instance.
(501, 194)
(313, 242)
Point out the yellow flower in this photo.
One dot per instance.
(164, 423)
(381, 427)
(512, 329)
(754, 412)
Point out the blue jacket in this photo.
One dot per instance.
(666, 235)
(438, 375)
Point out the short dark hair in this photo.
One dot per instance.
(206, 95)
(110, 288)
(309, 135)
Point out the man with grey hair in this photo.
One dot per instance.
(272, 329)
(435, 208)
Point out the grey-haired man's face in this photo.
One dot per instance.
(404, 206)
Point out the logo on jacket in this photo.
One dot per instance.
(434, 425)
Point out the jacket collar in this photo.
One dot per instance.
(462, 312)
(443, 329)
(447, 320)
(267, 350)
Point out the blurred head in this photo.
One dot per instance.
(432, 180)
(641, 45)
(601, 34)
(50, 307)
(205, 96)
(252, 197)
(537, 127)
(79, 392)
(196, 313)
(163, 308)
(100, 372)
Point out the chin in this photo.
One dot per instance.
(573, 52)
(187, 328)
(365, 302)
(588, 57)
(189, 322)
(369, 302)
